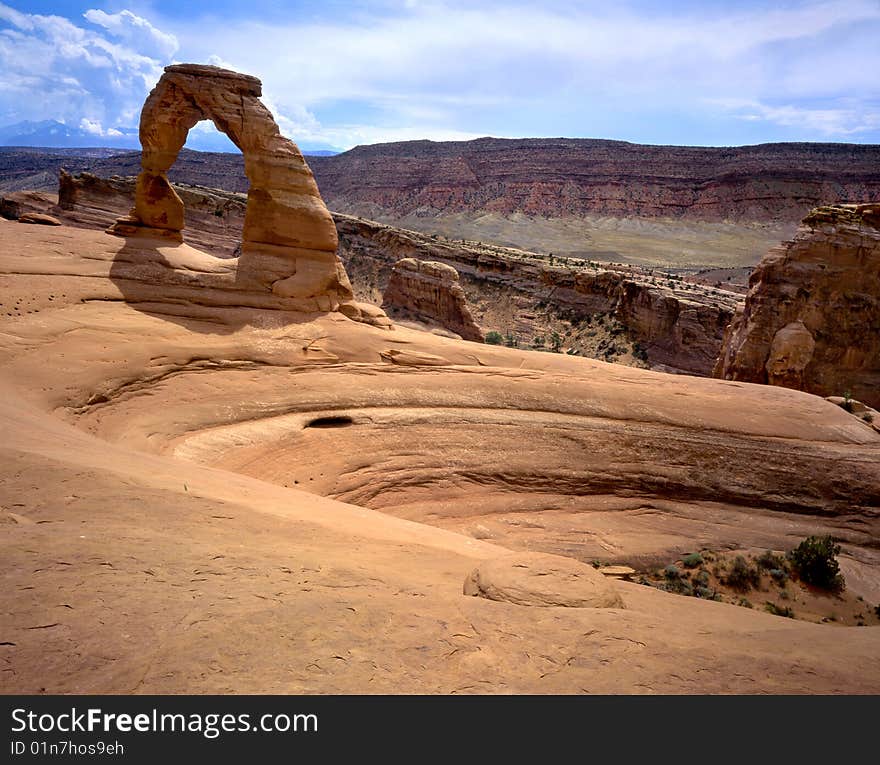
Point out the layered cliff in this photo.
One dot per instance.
(428, 291)
(542, 177)
(668, 322)
(557, 178)
(811, 319)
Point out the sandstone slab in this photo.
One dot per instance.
(540, 579)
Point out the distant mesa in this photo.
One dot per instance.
(811, 320)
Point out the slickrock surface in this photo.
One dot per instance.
(538, 579)
(204, 491)
(428, 291)
(811, 319)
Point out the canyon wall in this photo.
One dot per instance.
(811, 319)
(427, 291)
(556, 178)
(616, 313)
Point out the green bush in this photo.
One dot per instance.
(769, 560)
(815, 562)
(779, 576)
(672, 572)
(692, 560)
(779, 610)
(742, 576)
(494, 338)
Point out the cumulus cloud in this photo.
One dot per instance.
(827, 122)
(55, 68)
(97, 129)
(136, 32)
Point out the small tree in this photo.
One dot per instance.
(494, 338)
(815, 562)
(555, 342)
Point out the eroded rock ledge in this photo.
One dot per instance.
(811, 320)
(430, 291)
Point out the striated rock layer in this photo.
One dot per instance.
(429, 291)
(679, 325)
(811, 320)
(562, 177)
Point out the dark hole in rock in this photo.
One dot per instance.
(336, 421)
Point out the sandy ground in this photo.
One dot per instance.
(179, 515)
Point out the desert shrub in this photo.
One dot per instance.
(779, 576)
(868, 417)
(692, 560)
(678, 586)
(745, 603)
(706, 593)
(877, 611)
(742, 576)
(494, 338)
(701, 578)
(672, 572)
(770, 560)
(639, 352)
(779, 610)
(815, 562)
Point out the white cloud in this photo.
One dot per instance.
(456, 69)
(475, 68)
(828, 122)
(95, 128)
(55, 69)
(136, 32)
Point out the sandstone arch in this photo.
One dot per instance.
(289, 239)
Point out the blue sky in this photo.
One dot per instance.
(337, 74)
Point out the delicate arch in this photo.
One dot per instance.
(288, 231)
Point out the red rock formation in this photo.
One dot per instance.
(811, 320)
(288, 240)
(545, 177)
(680, 325)
(429, 292)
